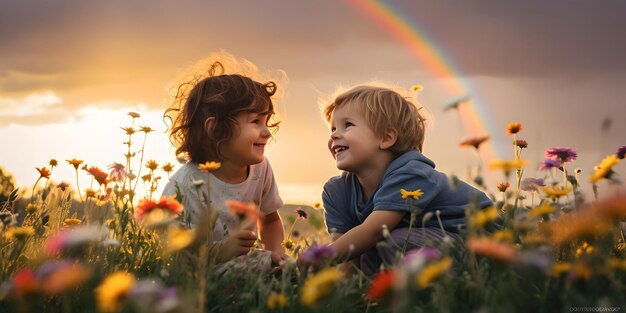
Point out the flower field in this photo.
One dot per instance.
(105, 248)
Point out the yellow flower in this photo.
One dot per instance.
(168, 167)
(415, 194)
(53, 162)
(129, 130)
(483, 217)
(508, 165)
(319, 285)
(75, 163)
(178, 239)
(617, 264)
(433, 271)
(19, 233)
(69, 222)
(543, 209)
(31, 208)
(145, 129)
(604, 168)
(554, 192)
(134, 115)
(417, 88)
(503, 235)
(209, 166)
(559, 268)
(288, 244)
(514, 128)
(276, 300)
(114, 288)
(152, 165)
(90, 193)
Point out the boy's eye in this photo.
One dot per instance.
(332, 129)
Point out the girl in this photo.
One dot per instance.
(227, 118)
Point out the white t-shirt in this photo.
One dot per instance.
(259, 188)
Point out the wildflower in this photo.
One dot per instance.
(504, 235)
(129, 130)
(100, 176)
(75, 163)
(152, 165)
(276, 300)
(415, 194)
(168, 204)
(544, 209)
(508, 165)
(302, 213)
(559, 268)
(19, 233)
(433, 271)
(134, 115)
(319, 285)
(168, 167)
(474, 141)
(586, 248)
(576, 226)
(381, 284)
(549, 164)
(179, 239)
(484, 216)
(612, 208)
(455, 102)
(243, 210)
(621, 152)
(317, 205)
(521, 143)
(70, 222)
(316, 254)
(118, 172)
(503, 186)
(417, 88)
(25, 282)
(114, 288)
(75, 238)
(288, 244)
(65, 276)
(53, 163)
(554, 192)
(63, 185)
(31, 208)
(43, 172)
(563, 155)
(209, 166)
(90, 193)
(490, 248)
(604, 169)
(145, 129)
(531, 184)
(146, 178)
(514, 128)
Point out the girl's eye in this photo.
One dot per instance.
(348, 124)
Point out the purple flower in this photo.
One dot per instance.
(621, 151)
(549, 164)
(561, 154)
(531, 184)
(317, 253)
(417, 258)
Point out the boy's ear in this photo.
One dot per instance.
(389, 139)
(209, 124)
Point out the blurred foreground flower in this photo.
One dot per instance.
(167, 205)
(244, 211)
(179, 239)
(531, 184)
(433, 271)
(19, 232)
(474, 141)
(58, 277)
(604, 170)
(554, 192)
(209, 166)
(74, 239)
(490, 248)
(317, 254)
(381, 284)
(111, 293)
(276, 301)
(319, 285)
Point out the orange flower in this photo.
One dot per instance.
(99, 175)
(75, 163)
(381, 284)
(166, 204)
(43, 172)
(168, 167)
(612, 208)
(503, 186)
(244, 210)
(474, 141)
(514, 128)
(209, 166)
(490, 248)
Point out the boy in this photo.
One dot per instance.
(376, 139)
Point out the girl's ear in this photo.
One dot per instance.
(389, 139)
(209, 124)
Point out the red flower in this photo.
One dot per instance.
(99, 175)
(166, 204)
(24, 282)
(381, 284)
(43, 172)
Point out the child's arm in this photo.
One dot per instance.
(272, 234)
(365, 236)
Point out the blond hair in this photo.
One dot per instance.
(385, 108)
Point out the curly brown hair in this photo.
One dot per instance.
(221, 97)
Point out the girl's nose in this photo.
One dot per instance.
(265, 132)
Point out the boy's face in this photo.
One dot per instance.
(248, 145)
(352, 142)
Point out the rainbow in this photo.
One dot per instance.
(475, 117)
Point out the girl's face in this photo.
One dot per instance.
(247, 147)
(352, 142)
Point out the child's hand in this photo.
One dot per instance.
(278, 258)
(238, 243)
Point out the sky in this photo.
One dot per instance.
(70, 71)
